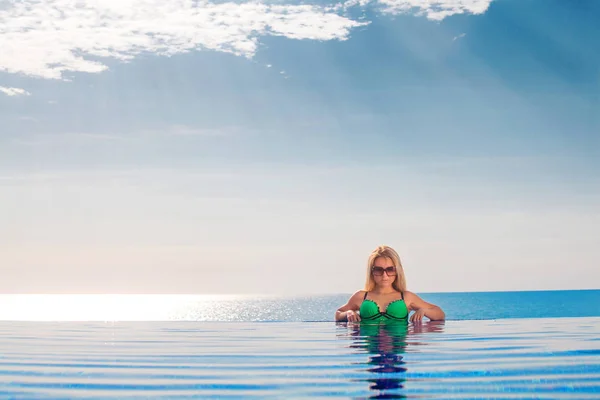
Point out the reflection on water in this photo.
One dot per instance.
(553, 358)
(386, 344)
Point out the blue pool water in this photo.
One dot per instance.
(201, 347)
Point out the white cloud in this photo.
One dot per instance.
(71, 35)
(462, 35)
(80, 138)
(10, 91)
(133, 221)
(434, 9)
(75, 36)
(185, 130)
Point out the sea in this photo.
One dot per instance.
(501, 345)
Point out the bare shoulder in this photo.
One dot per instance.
(414, 301)
(353, 302)
(359, 294)
(409, 295)
(357, 297)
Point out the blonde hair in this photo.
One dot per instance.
(385, 251)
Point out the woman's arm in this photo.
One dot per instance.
(429, 310)
(341, 314)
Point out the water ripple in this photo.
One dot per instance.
(458, 359)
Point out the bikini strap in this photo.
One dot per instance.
(402, 294)
(364, 298)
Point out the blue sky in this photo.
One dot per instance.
(198, 147)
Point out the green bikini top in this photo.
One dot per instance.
(396, 310)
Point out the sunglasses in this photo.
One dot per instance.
(378, 271)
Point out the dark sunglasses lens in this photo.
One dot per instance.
(378, 271)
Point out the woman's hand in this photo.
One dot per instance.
(417, 315)
(352, 316)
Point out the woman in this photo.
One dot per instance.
(385, 296)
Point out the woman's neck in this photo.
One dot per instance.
(387, 290)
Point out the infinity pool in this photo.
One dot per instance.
(518, 358)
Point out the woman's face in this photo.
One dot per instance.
(384, 272)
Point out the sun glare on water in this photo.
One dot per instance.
(97, 307)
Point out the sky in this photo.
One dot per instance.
(223, 147)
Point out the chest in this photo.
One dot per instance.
(383, 302)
